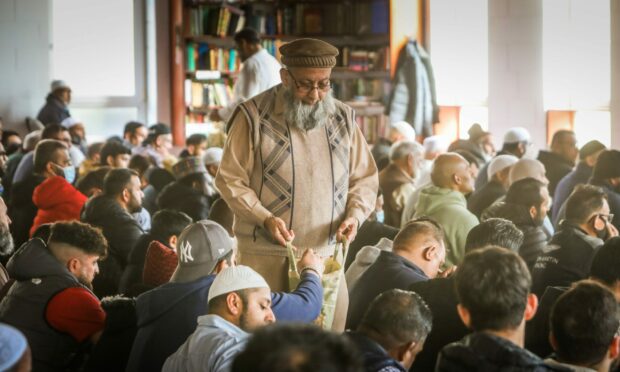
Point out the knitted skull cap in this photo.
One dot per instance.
(309, 53)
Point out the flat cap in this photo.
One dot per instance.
(309, 53)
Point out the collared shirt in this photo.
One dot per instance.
(212, 347)
(258, 73)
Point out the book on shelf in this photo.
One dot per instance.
(287, 18)
(204, 96)
(200, 56)
(372, 127)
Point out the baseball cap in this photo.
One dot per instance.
(499, 163)
(13, 344)
(213, 155)
(235, 278)
(158, 130)
(590, 148)
(200, 247)
(516, 135)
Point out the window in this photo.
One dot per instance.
(577, 64)
(459, 47)
(98, 50)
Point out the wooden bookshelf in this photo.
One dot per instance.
(361, 78)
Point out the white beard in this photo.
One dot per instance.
(308, 117)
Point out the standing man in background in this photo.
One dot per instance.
(259, 72)
(55, 109)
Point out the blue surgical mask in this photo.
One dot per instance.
(380, 216)
(69, 173)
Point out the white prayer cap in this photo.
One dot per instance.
(499, 163)
(516, 135)
(435, 144)
(528, 168)
(405, 129)
(213, 156)
(59, 84)
(235, 278)
(70, 122)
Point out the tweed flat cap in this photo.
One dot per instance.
(188, 166)
(308, 53)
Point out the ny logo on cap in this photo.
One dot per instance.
(186, 252)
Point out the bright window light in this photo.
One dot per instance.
(459, 48)
(576, 54)
(472, 114)
(93, 46)
(593, 125)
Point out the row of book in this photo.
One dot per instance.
(372, 127)
(346, 18)
(202, 96)
(202, 56)
(360, 89)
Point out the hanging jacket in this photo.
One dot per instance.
(56, 200)
(39, 277)
(413, 97)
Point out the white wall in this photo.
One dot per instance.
(24, 59)
(515, 68)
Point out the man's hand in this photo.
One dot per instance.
(214, 115)
(611, 230)
(277, 229)
(347, 229)
(311, 260)
(447, 272)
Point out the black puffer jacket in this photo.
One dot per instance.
(122, 233)
(22, 210)
(179, 197)
(534, 237)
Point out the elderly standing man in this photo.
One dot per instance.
(296, 165)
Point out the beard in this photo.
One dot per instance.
(134, 206)
(308, 117)
(85, 282)
(7, 246)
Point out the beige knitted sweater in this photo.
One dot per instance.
(311, 179)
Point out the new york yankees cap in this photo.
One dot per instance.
(200, 247)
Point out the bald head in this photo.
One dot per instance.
(528, 168)
(451, 171)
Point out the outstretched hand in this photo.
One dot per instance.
(277, 229)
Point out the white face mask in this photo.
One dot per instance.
(380, 215)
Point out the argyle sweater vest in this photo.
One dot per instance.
(300, 176)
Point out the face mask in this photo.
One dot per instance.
(380, 216)
(69, 173)
(602, 234)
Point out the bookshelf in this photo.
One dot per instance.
(206, 64)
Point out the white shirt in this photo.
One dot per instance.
(258, 73)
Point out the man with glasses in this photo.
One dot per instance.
(296, 165)
(586, 226)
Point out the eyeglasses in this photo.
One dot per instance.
(305, 88)
(606, 217)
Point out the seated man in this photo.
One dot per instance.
(605, 270)
(493, 286)
(239, 302)
(51, 301)
(584, 326)
(572, 248)
(499, 171)
(392, 331)
(188, 193)
(297, 347)
(195, 145)
(167, 314)
(417, 255)
(440, 293)
(526, 205)
(445, 202)
(115, 155)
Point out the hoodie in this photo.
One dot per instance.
(56, 200)
(54, 111)
(167, 316)
(449, 209)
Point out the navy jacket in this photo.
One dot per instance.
(390, 271)
(54, 111)
(167, 316)
(565, 187)
(375, 357)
